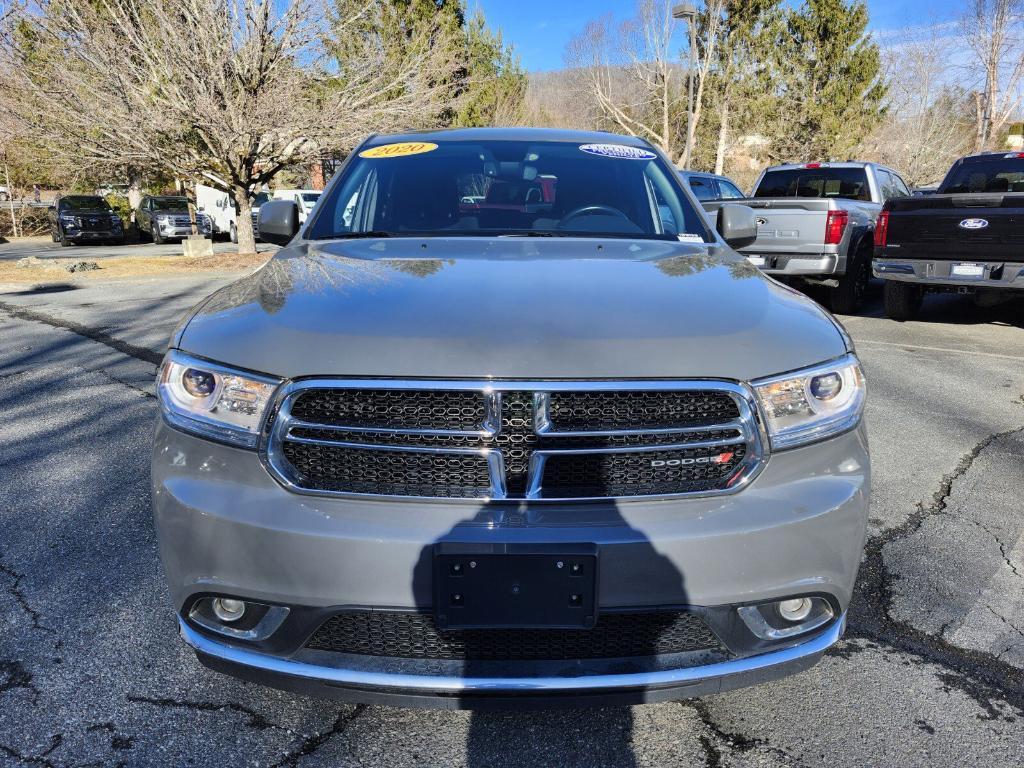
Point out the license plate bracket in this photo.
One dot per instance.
(967, 270)
(515, 586)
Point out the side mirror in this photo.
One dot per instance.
(278, 221)
(737, 225)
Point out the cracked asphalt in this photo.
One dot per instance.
(931, 672)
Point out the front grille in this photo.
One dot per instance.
(653, 473)
(590, 411)
(95, 223)
(505, 441)
(409, 635)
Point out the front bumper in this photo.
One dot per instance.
(449, 688)
(995, 274)
(226, 527)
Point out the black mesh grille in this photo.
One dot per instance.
(391, 408)
(640, 474)
(414, 636)
(589, 411)
(363, 416)
(394, 473)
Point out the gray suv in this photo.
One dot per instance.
(495, 428)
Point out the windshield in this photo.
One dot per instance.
(508, 188)
(170, 203)
(84, 203)
(998, 173)
(310, 197)
(260, 199)
(850, 183)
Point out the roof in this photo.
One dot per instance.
(823, 164)
(509, 134)
(990, 155)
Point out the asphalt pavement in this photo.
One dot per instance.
(92, 673)
(45, 248)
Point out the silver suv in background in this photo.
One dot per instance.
(166, 217)
(816, 224)
(494, 428)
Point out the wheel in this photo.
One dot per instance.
(848, 296)
(155, 236)
(234, 233)
(63, 239)
(902, 300)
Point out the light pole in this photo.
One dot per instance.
(688, 12)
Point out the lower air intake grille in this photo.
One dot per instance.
(413, 636)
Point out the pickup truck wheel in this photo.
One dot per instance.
(63, 239)
(848, 296)
(902, 300)
(154, 235)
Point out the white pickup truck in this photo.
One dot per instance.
(816, 224)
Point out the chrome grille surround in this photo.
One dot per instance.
(746, 426)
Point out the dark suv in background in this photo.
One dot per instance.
(77, 219)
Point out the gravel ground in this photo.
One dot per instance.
(92, 673)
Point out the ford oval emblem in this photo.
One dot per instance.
(973, 224)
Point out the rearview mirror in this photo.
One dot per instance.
(737, 225)
(278, 221)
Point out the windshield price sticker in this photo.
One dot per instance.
(620, 151)
(402, 149)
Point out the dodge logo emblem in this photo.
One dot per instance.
(973, 224)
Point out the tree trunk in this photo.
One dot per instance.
(10, 199)
(723, 135)
(243, 221)
(134, 189)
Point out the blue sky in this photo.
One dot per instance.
(540, 29)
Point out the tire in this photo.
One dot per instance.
(63, 239)
(155, 236)
(234, 233)
(848, 297)
(902, 300)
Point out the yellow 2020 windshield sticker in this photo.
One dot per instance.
(399, 150)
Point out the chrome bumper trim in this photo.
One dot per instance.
(439, 684)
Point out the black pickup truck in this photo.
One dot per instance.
(968, 238)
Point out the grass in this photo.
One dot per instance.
(53, 270)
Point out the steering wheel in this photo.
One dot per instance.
(585, 210)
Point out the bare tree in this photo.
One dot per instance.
(633, 73)
(928, 121)
(231, 91)
(994, 31)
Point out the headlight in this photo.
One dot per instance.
(812, 404)
(213, 400)
(72, 220)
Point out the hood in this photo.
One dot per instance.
(511, 308)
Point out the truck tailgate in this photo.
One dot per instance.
(988, 227)
(784, 225)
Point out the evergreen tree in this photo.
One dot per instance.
(830, 91)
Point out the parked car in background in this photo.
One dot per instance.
(78, 219)
(816, 224)
(219, 208)
(708, 186)
(968, 238)
(458, 447)
(165, 217)
(5, 194)
(924, 191)
(304, 199)
(258, 200)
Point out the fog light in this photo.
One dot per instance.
(795, 610)
(228, 610)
